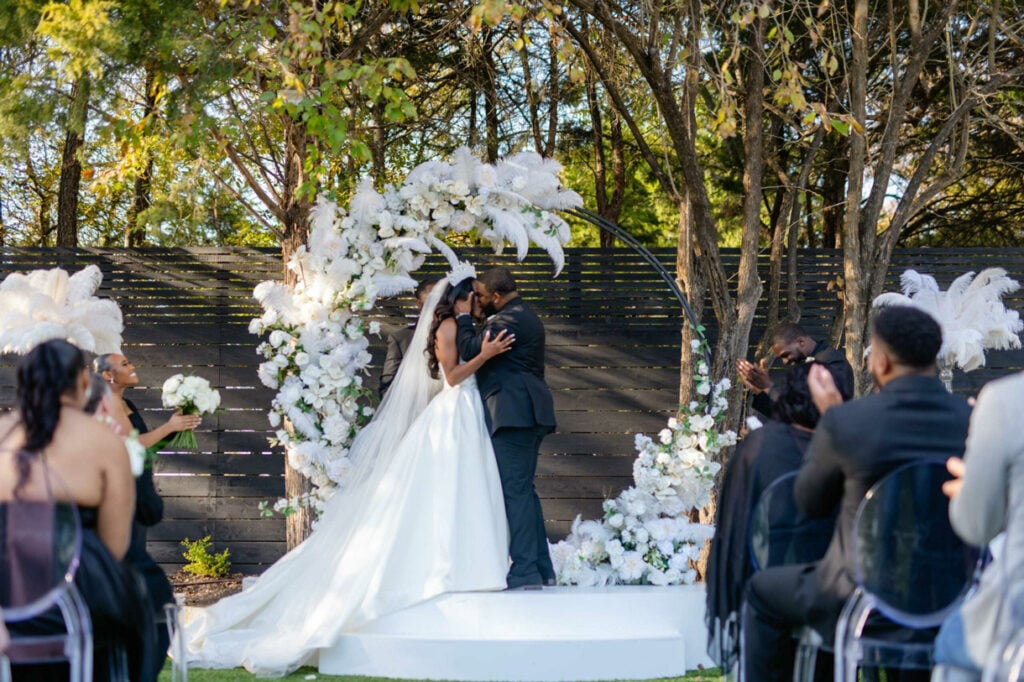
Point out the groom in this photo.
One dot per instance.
(519, 413)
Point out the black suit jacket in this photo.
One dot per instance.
(830, 357)
(855, 445)
(511, 384)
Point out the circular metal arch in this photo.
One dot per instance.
(629, 240)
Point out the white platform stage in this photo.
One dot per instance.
(560, 633)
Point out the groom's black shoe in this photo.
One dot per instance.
(524, 587)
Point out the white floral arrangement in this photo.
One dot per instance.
(316, 348)
(646, 536)
(971, 312)
(192, 395)
(49, 304)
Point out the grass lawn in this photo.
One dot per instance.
(239, 675)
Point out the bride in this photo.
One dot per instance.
(421, 514)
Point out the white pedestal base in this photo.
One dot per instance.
(563, 633)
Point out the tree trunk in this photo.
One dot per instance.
(71, 166)
(377, 144)
(296, 233)
(855, 307)
(490, 98)
(135, 236)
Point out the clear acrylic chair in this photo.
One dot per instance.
(780, 534)
(39, 553)
(910, 568)
(171, 619)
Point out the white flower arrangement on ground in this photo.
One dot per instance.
(646, 536)
(316, 348)
(191, 395)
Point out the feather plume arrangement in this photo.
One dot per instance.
(48, 304)
(971, 313)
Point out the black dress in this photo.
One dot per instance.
(149, 510)
(117, 609)
(764, 455)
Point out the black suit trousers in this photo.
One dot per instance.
(515, 450)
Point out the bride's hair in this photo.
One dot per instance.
(445, 309)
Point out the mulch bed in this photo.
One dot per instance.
(202, 591)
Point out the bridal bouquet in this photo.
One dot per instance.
(191, 395)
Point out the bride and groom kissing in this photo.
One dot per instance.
(451, 450)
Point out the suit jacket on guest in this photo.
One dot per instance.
(511, 384)
(854, 446)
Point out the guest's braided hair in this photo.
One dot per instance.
(445, 309)
(46, 373)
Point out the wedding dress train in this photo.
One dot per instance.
(428, 518)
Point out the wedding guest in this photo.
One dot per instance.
(398, 340)
(762, 456)
(985, 501)
(49, 432)
(792, 345)
(911, 417)
(119, 374)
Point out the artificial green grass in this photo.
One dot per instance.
(239, 675)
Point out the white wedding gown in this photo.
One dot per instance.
(428, 519)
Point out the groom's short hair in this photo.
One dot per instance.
(498, 280)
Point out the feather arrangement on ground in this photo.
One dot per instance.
(971, 311)
(49, 304)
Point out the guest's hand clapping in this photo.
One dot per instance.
(824, 392)
(498, 345)
(955, 466)
(755, 377)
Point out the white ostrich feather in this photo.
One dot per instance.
(393, 285)
(971, 313)
(84, 284)
(508, 226)
(48, 304)
(366, 203)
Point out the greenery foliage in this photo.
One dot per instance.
(201, 562)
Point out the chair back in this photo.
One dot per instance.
(40, 546)
(780, 534)
(907, 556)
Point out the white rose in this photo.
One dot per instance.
(302, 358)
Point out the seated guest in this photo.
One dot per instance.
(985, 502)
(911, 417)
(793, 345)
(764, 455)
(120, 374)
(50, 427)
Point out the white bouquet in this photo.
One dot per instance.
(191, 395)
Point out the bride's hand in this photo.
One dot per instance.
(498, 345)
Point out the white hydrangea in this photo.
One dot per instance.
(646, 535)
